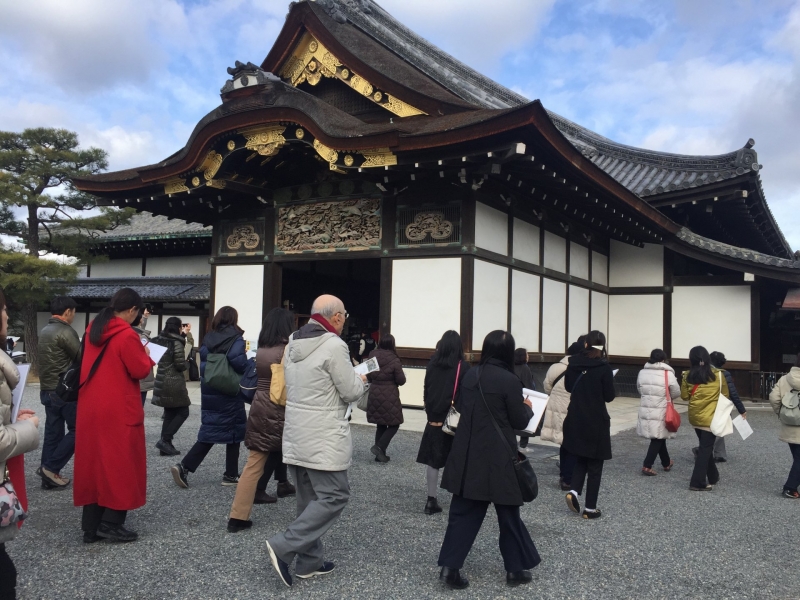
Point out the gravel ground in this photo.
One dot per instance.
(656, 539)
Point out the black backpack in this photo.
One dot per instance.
(69, 382)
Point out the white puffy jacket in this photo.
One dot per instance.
(653, 408)
(557, 406)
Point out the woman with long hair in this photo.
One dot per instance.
(701, 386)
(170, 390)
(223, 418)
(383, 407)
(264, 436)
(479, 469)
(656, 382)
(110, 456)
(587, 427)
(442, 387)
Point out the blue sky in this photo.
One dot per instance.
(693, 77)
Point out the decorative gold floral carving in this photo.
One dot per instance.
(378, 157)
(243, 236)
(432, 223)
(211, 165)
(175, 186)
(400, 108)
(300, 133)
(266, 140)
(231, 145)
(216, 183)
(329, 154)
(348, 160)
(361, 85)
(195, 181)
(326, 226)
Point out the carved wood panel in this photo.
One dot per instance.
(328, 226)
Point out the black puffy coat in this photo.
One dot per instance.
(479, 466)
(384, 406)
(587, 426)
(169, 389)
(223, 418)
(265, 423)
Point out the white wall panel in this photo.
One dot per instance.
(635, 324)
(490, 301)
(491, 229)
(631, 266)
(717, 317)
(599, 268)
(242, 287)
(555, 252)
(599, 320)
(554, 316)
(578, 321)
(123, 267)
(578, 260)
(525, 310)
(412, 393)
(526, 241)
(164, 266)
(426, 300)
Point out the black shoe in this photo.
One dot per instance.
(285, 489)
(264, 498)
(281, 567)
(432, 506)
(380, 455)
(180, 475)
(705, 488)
(720, 459)
(573, 503)
(237, 525)
(116, 533)
(453, 579)
(90, 538)
(166, 448)
(565, 487)
(519, 578)
(229, 481)
(596, 514)
(327, 567)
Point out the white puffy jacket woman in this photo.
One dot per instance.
(652, 383)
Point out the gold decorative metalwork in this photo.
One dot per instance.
(374, 157)
(377, 96)
(195, 181)
(345, 73)
(211, 165)
(175, 186)
(300, 133)
(216, 183)
(329, 154)
(432, 223)
(231, 145)
(243, 236)
(265, 140)
(378, 157)
(348, 161)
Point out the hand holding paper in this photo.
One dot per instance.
(743, 427)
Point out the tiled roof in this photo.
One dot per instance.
(734, 251)
(157, 289)
(145, 225)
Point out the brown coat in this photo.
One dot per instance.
(265, 423)
(384, 396)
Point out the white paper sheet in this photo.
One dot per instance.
(615, 372)
(538, 404)
(156, 351)
(368, 366)
(743, 427)
(16, 395)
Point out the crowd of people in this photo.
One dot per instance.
(298, 424)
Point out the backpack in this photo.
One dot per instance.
(790, 408)
(249, 382)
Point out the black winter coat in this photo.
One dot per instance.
(265, 423)
(169, 390)
(223, 418)
(587, 426)
(479, 466)
(384, 407)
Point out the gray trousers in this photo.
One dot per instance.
(719, 449)
(321, 498)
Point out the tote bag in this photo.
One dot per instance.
(277, 385)
(721, 424)
(672, 419)
(219, 373)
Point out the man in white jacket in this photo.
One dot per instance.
(320, 384)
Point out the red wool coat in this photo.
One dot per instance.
(110, 456)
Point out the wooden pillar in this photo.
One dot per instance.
(273, 281)
(385, 306)
(467, 301)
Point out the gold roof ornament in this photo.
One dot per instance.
(175, 186)
(265, 140)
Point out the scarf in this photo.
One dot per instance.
(324, 322)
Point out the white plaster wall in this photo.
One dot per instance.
(526, 241)
(490, 301)
(599, 319)
(82, 271)
(491, 229)
(426, 300)
(599, 268)
(554, 316)
(525, 309)
(242, 287)
(411, 394)
(578, 322)
(717, 317)
(635, 324)
(123, 267)
(631, 266)
(164, 266)
(578, 260)
(555, 252)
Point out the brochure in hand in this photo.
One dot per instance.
(368, 366)
(538, 404)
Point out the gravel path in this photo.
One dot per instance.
(656, 538)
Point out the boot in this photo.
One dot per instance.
(166, 448)
(432, 506)
(262, 497)
(453, 579)
(285, 488)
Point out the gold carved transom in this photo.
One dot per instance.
(243, 236)
(432, 223)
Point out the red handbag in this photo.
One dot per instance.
(672, 419)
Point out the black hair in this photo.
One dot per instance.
(123, 300)
(61, 304)
(498, 344)
(449, 351)
(658, 356)
(521, 356)
(173, 326)
(592, 339)
(226, 316)
(717, 359)
(700, 372)
(576, 347)
(278, 326)
(387, 343)
(797, 362)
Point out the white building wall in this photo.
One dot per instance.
(411, 394)
(578, 312)
(123, 267)
(635, 324)
(525, 309)
(491, 229)
(599, 268)
(554, 316)
(165, 266)
(555, 252)
(578, 260)
(599, 318)
(242, 287)
(631, 266)
(490, 301)
(526, 241)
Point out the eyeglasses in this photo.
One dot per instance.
(345, 313)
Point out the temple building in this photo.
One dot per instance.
(360, 160)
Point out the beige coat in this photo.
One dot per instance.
(15, 439)
(653, 408)
(790, 381)
(557, 406)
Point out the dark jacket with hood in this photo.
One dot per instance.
(265, 423)
(169, 390)
(384, 406)
(587, 427)
(59, 346)
(223, 418)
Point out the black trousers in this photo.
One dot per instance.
(567, 462)
(173, 419)
(591, 471)
(384, 435)
(274, 465)
(657, 448)
(93, 514)
(465, 520)
(8, 575)
(793, 482)
(704, 465)
(199, 451)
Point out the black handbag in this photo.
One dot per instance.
(69, 382)
(194, 370)
(526, 477)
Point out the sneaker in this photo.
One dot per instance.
(794, 494)
(380, 455)
(327, 567)
(285, 489)
(52, 481)
(180, 475)
(90, 538)
(280, 567)
(596, 514)
(229, 481)
(573, 503)
(706, 488)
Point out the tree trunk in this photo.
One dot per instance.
(30, 327)
(33, 230)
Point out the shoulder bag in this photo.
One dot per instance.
(249, 381)
(277, 385)
(721, 424)
(451, 420)
(526, 477)
(219, 373)
(672, 418)
(69, 382)
(11, 511)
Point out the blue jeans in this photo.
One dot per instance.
(58, 446)
(794, 474)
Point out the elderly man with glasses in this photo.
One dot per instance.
(320, 384)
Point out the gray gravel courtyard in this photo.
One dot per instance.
(655, 540)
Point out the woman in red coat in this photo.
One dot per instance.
(110, 457)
